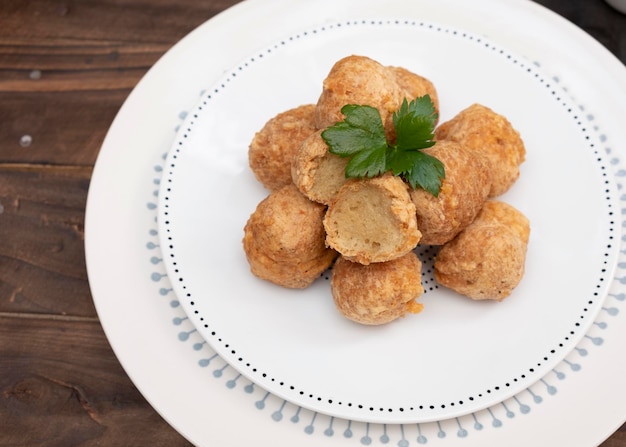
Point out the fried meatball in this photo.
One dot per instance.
(462, 195)
(377, 293)
(284, 239)
(316, 172)
(372, 220)
(507, 215)
(273, 147)
(413, 85)
(289, 274)
(357, 80)
(485, 131)
(486, 260)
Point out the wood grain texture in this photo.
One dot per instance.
(62, 128)
(154, 21)
(66, 68)
(61, 385)
(42, 260)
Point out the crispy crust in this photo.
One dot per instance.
(507, 215)
(273, 147)
(357, 80)
(462, 195)
(284, 239)
(290, 274)
(364, 81)
(486, 260)
(316, 172)
(492, 135)
(377, 293)
(372, 220)
(414, 85)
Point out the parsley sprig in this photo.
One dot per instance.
(361, 137)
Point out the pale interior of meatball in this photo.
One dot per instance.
(329, 177)
(363, 220)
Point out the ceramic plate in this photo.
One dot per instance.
(457, 356)
(578, 402)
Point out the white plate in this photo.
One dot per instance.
(457, 356)
(580, 402)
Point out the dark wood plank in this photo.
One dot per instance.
(67, 67)
(74, 66)
(65, 55)
(61, 385)
(156, 21)
(42, 260)
(63, 128)
(618, 439)
(58, 99)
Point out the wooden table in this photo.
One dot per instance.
(66, 67)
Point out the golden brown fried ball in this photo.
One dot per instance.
(507, 215)
(284, 239)
(485, 131)
(377, 293)
(486, 260)
(291, 275)
(372, 220)
(273, 147)
(413, 85)
(462, 195)
(357, 80)
(316, 172)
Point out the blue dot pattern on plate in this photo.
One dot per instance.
(313, 423)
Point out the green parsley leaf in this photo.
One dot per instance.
(420, 170)
(361, 136)
(415, 124)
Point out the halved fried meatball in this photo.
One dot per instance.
(372, 220)
(316, 172)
